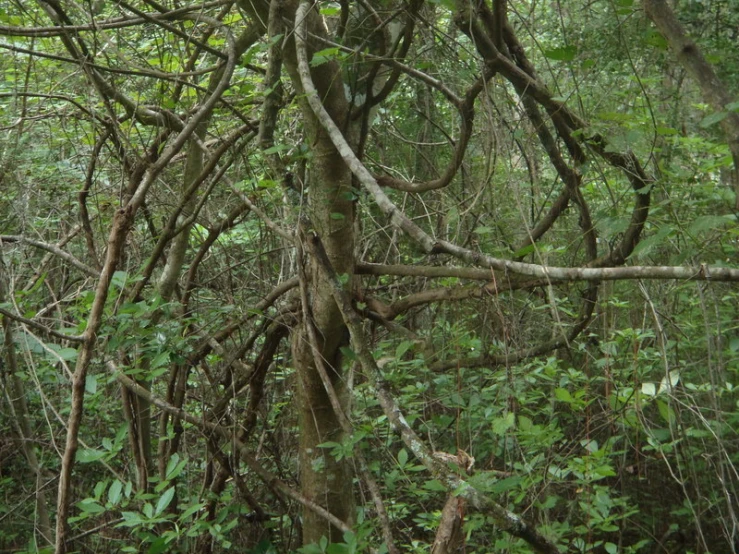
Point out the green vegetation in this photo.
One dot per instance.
(398, 276)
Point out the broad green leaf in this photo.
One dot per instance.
(501, 425)
(90, 506)
(114, 492)
(91, 383)
(708, 222)
(88, 455)
(669, 382)
(402, 457)
(402, 348)
(119, 279)
(130, 519)
(563, 395)
(348, 353)
(174, 466)
(712, 119)
(506, 484)
(67, 354)
(160, 360)
(563, 54)
(100, 487)
(191, 510)
(652, 241)
(433, 485)
(330, 10)
(322, 56)
(666, 412)
(164, 500)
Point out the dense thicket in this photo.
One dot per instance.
(395, 276)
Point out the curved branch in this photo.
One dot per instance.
(466, 116)
(433, 246)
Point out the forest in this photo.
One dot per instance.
(383, 276)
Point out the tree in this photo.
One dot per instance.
(450, 214)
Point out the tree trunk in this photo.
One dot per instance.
(324, 480)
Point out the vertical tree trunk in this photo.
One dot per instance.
(323, 479)
(331, 212)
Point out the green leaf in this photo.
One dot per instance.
(88, 455)
(402, 457)
(160, 360)
(562, 54)
(91, 384)
(114, 492)
(525, 251)
(712, 119)
(708, 222)
(159, 545)
(666, 412)
(191, 510)
(650, 242)
(348, 353)
(322, 56)
(130, 519)
(434, 485)
(563, 395)
(337, 215)
(501, 425)
(330, 10)
(100, 487)
(649, 389)
(90, 506)
(273, 150)
(402, 348)
(506, 484)
(164, 500)
(171, 464)
(67, 354)
(669, 382)
(119, 279)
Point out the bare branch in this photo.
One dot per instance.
(40, 326)
(64, 255)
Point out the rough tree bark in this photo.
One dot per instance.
(330, 210)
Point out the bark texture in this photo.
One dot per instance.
(330, 210)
